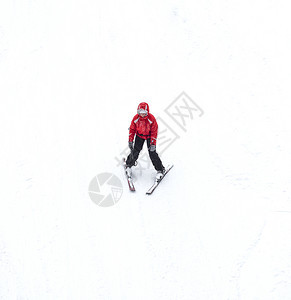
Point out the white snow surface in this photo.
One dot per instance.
(72, 73)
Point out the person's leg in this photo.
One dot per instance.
(155, 158)
(133, 156)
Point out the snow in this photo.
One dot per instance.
(71, 76)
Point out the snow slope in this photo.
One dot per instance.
(71, 76)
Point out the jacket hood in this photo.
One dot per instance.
(143, 106)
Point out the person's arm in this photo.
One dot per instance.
(154, 133)
(132, 132)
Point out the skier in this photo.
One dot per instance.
(144, 127)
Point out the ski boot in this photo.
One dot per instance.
(160, 174)
(128, 171)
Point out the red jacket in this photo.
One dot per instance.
(146, 127)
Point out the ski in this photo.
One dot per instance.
(129, 179)
(157, 182)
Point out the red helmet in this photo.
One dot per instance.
(143, 108)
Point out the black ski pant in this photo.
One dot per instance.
(133, 156)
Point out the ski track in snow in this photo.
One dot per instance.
(242, 261)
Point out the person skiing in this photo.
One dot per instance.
(143, 127)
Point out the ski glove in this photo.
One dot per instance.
(130, 145)
(152, 148)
